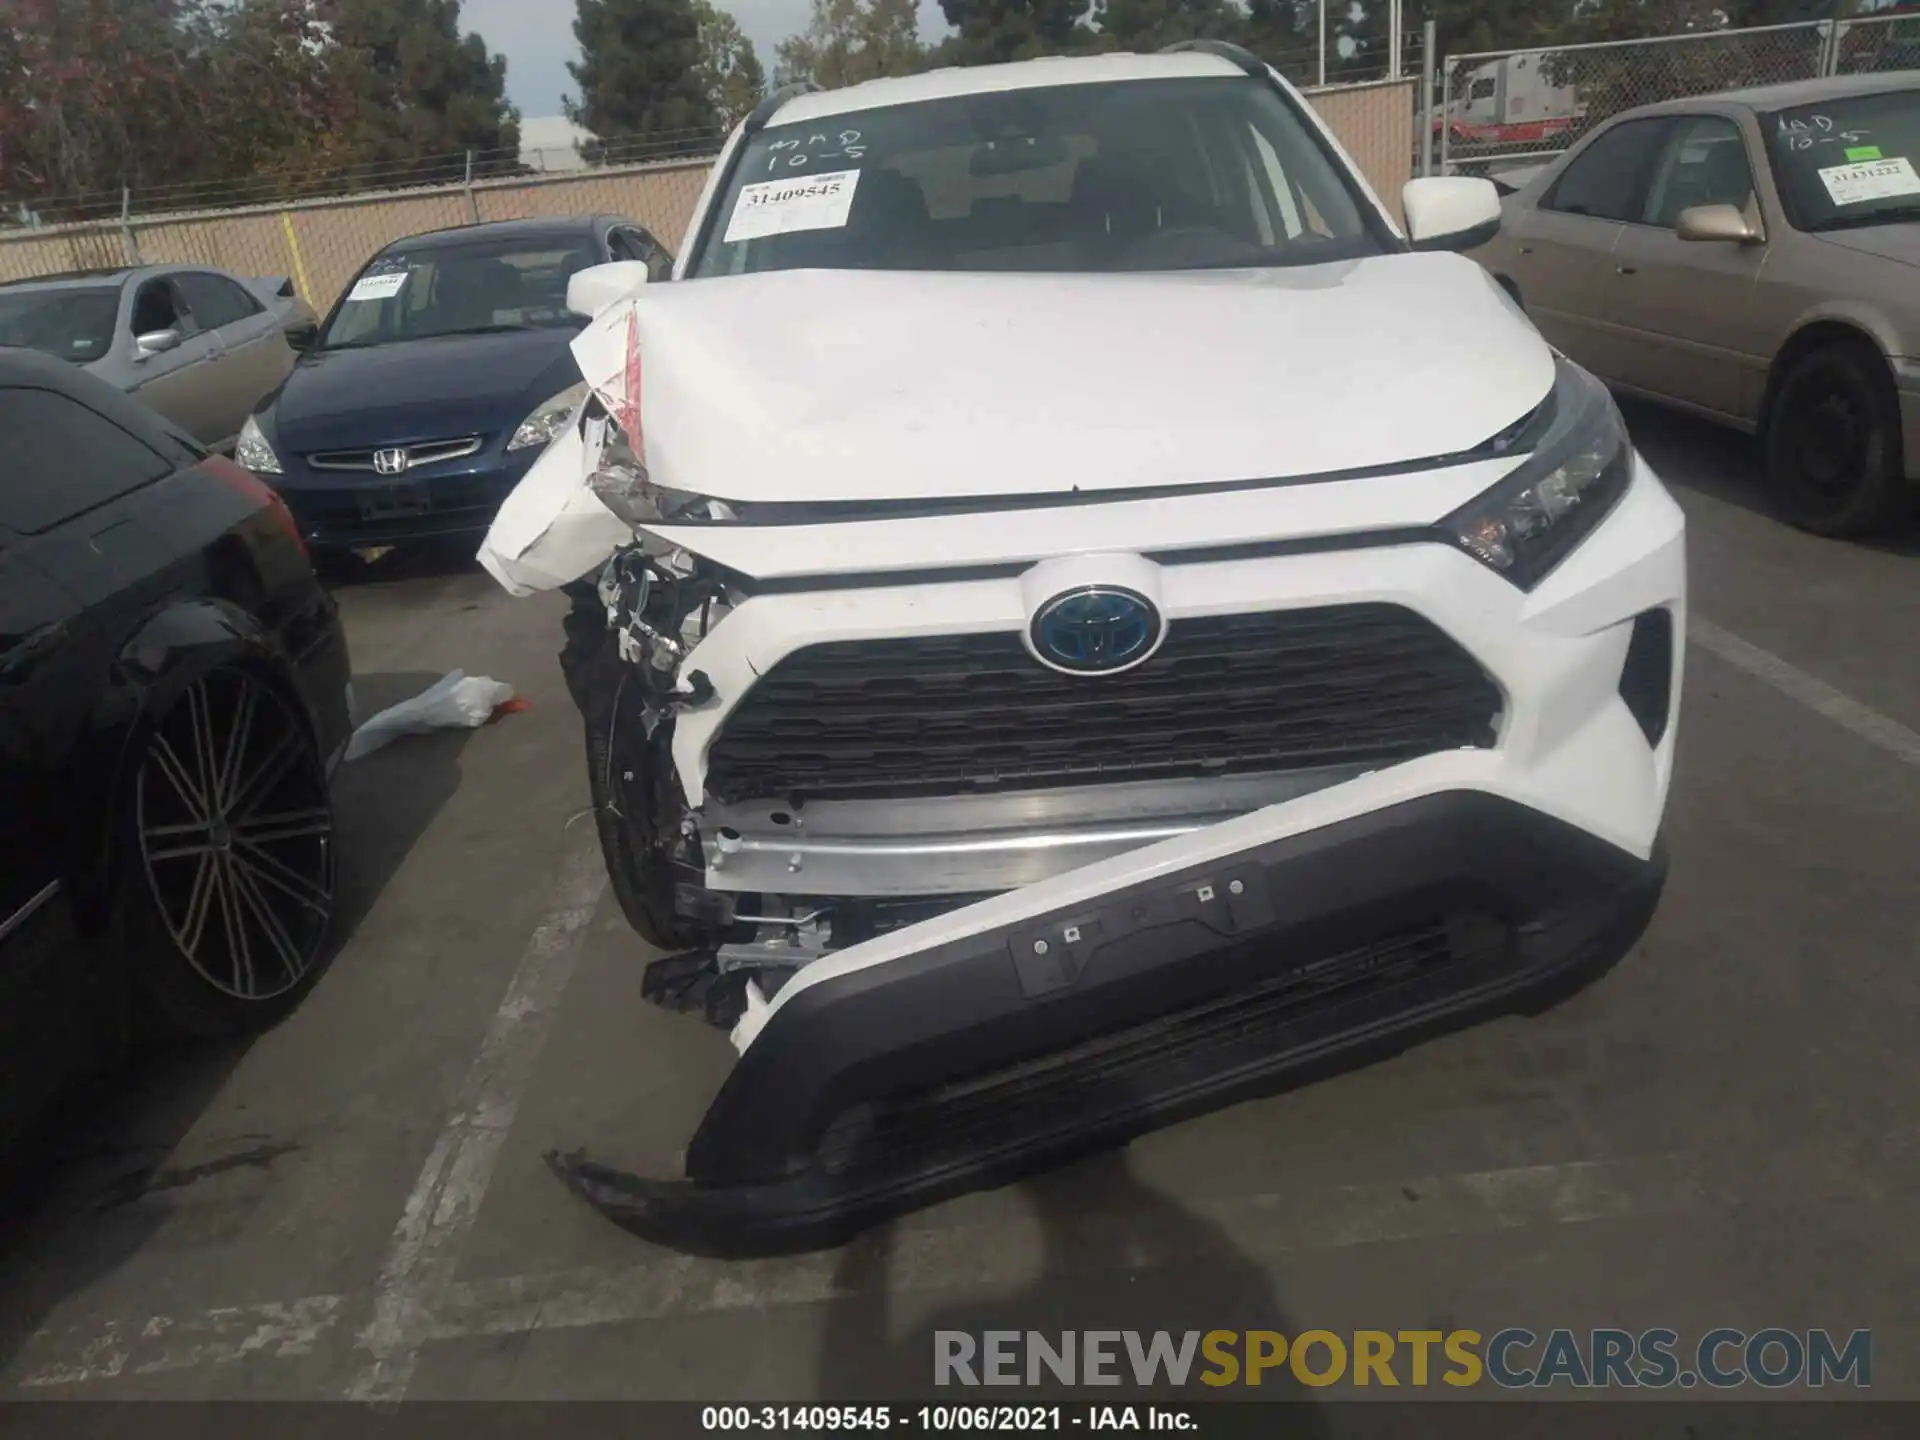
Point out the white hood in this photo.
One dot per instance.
(866, 385)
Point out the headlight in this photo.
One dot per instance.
(253, 452)
(548, 418)
(622, 485)
(1532, 519)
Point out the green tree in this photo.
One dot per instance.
(421, 89)
(640, 73)
(847, 41)
(185, 94)
(1149, 25)
(1281, 35)
(730, 72)
(986, 31)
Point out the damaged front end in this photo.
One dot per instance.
(965, 910)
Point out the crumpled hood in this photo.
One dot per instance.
(420, 389)
(824, 386)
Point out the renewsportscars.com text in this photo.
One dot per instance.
(1511, 1358)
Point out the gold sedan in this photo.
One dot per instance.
(1754, 257)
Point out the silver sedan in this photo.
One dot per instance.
(198, 345)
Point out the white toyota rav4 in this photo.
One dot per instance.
(1081, 617)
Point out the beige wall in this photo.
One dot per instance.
(321, 244)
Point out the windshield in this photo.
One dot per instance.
(459, 289)
(71, 322)
(1848, 162)
(1176, 174)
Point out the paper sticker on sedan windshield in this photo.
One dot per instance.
(1870, 180)
(779, 207)
(378, 287)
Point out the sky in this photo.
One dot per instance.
(536, 36)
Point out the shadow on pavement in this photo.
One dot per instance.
(89, 1189)
(384, 802)
(1116, 1255)
(415, 560)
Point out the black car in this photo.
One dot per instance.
(173, 696)
(439, 376)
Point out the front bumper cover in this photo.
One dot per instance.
(973, 1060)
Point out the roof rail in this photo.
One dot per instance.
(1238, 55)
(763, 112)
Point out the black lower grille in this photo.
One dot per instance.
(1230, 694)
(1155, 1058)
(1646, 678)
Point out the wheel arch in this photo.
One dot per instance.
(151, 669)
(1826, 328)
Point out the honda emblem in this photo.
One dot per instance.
(391, 462)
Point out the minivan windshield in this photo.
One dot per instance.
(1147, 174)
(471, 288)
(1848, 162)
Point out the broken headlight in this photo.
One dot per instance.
(1532, 520)
(622, 485)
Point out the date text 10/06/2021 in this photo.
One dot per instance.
(941, 1419)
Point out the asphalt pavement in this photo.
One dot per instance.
(1720, 1133)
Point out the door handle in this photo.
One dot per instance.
(1526, 249)
(1625, 270)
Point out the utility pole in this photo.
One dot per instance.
(1393, 39)
(1323, 42)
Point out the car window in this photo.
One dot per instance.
(460, 289)
(1704, 162)
(216, 301)
(1167, 174)
(68, 322)
(159, 306)
(658, 259)
(64, 459)
(1848, 162)
(1608, 179)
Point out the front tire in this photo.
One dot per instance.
(228, 887)
(1832, 442)
(640, 875)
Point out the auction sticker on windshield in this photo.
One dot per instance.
(378, 287)
(780, 207)
(1870, 180)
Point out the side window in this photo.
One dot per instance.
(1482, 90)
(631, 243)
(1704, 162)
(1608, 179)
(64, 459)
(159, 306)
(216, 301)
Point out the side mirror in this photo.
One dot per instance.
(1717, 222)
(592, 290)
(1450, 212)
(300, 337)
(155, 342)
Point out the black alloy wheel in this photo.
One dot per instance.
(1832, 442)
(234, 825)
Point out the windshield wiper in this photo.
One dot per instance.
(1908, 211)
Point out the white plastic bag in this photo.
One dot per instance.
(455, 701)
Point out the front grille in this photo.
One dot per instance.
(427, 452)
(1232, 694)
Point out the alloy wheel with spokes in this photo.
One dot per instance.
(236, 837)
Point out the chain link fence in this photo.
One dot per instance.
(322, 243)
(1510, 107)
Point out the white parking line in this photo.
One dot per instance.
(1002, 1254)
(445, 1199)
(1868, 724)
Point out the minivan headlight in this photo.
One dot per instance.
(1533, 518)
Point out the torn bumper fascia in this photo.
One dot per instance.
(1136, 946)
